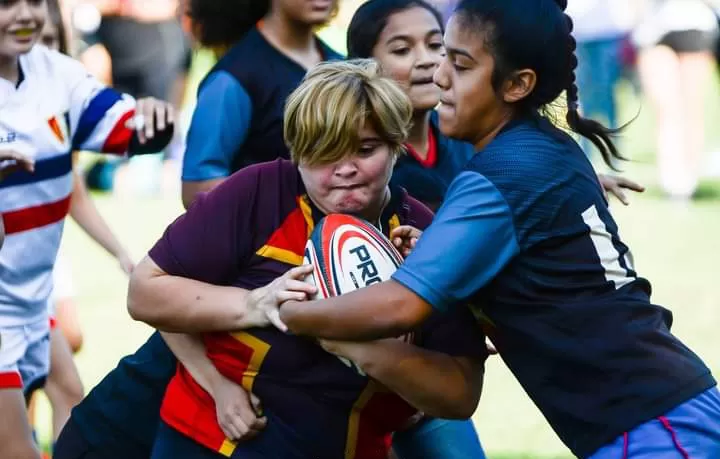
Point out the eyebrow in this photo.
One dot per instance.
(370, 139)
(408, 37)
(459, 52)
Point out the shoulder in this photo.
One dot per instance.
(52, 65)
(222, 86)
(270, 175)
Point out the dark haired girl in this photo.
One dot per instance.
(525, 237)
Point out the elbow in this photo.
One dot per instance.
(139, 305)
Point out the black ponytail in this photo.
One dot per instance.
(221, 23)
(594, 131)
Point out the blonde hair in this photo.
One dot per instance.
(324, 115)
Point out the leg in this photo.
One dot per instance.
(63, 388)
(660, 74)
(68, 322)
(16, 441)
(695, 71)
(438, 439)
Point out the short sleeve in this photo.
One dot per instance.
(218, 128)
(211, 241)
(98, 115)
(470, 241)
(455, 333)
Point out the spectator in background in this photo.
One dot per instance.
(677, 39)
(601, 28)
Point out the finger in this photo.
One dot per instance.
(228, 427)
(160, 114)
(274, 318)
(293, 285)
(299, 272)
(149, 112)
(402, 231)
(630, 185)
(256, 404)
(170, 114)
(240, 427)
(139, 128)
(285, 295)
(618, 192)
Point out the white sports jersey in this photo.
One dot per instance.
(57, 108)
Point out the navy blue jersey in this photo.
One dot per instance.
(429, 183)
(530, 242)
(122, 413)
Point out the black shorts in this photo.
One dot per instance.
(690, 41)
(73, 445)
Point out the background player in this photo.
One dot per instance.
(267, 46)
(49, 107)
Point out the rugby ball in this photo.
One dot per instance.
(348, 253)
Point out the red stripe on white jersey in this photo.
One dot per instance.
(29, 218)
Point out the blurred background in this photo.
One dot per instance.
(666, 92)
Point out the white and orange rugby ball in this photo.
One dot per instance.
(348, 253)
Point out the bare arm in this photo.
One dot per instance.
(190, 190)
(437, 384)
(182, 305)
(380, 311)
(237, 417)
(190, 351)
(87, 216)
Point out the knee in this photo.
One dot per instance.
(74, 339)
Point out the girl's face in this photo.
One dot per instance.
(410, 49)
(21, 22)
(469, 107)
(357, 184)
(312, 12)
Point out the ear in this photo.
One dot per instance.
(520, 84)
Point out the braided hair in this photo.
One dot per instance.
(537, 35)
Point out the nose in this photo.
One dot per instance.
(346, 168)
(425, 59)
(24, 12)
(441, 76)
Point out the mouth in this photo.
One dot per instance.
(422, 81)
(321, 5)
(349, 187)
(446, 103)
(24, 34)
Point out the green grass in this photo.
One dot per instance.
(675, 245)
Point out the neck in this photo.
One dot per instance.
(418, 135)
(485, 137)
(9, 69)
(288, 34)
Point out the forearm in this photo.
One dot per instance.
(434, 383)
(181, 305)
(87, 216)
(190, 351)
(380, 311)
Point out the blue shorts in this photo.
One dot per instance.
(438, 439)
(689, 431)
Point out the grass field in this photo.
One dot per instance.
(676, 246)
